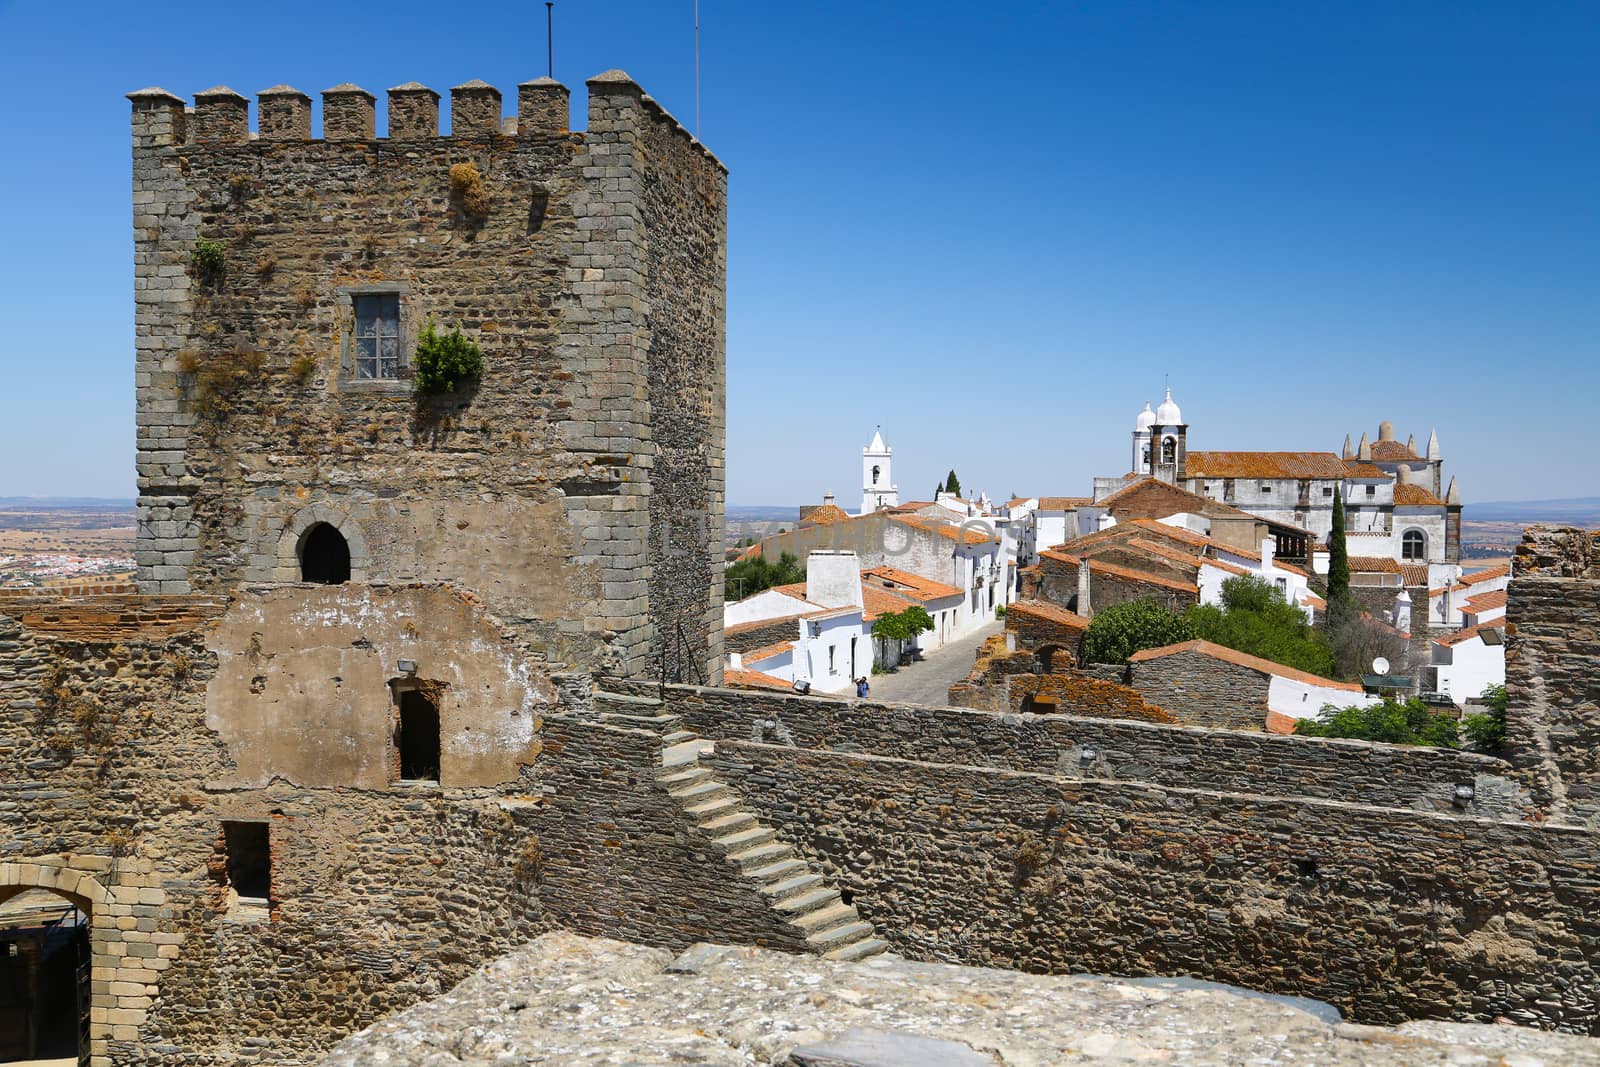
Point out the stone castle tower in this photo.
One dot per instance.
(283, 281)
(878, 490)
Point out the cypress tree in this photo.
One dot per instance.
(1338, 561)
(952, 484)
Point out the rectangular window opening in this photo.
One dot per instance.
(249, 856)
(377, 336)
(418, 738)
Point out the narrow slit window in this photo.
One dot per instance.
(249, 859)
(418, 738)
(377, 336)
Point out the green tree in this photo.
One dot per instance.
(750, 576)
(444, 362)
(1123, 629)
(952, 484)
(1339, 602)
(1391, 721)
(1487, 732)
(900, 626)
(1254, 618)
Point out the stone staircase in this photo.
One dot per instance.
(805, 903)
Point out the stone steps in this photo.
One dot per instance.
(802, 899)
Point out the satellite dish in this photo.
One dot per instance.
(1380, 666)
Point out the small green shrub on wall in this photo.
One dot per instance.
(445, 362)
(210, 261)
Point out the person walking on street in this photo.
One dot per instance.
(862, 688)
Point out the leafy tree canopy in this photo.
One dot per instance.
(1408, 723)
(1123, 629)
(1487, 731)
(750, 576)
(902, 625)
(1255, 619)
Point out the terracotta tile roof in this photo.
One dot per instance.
(1373, 565)
(1470, 632)
(910, 505)
(794, 589)
(878, 601)
(750, 553)
(1366, 533)
(1057, 554)
(1360, 468)
(1018, 501)
(1494, 598)
(1282, 566)
(1414, 574)
(969, 535)
(1501, 570)
(1390, 451)
(1243, 659)
(1177, 533)
(1412, 494)
(1129, 574)
(1297, 465)
(1064, 503)
(753, 680)
(826, 515)
(1049, 612)
(772, 651)
(1155, 548)
(914, 585)
(1308, 597)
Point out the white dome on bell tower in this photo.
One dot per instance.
(1146, 419)
(1168, 414)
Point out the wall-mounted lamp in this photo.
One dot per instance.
(408, 666)
(1086, 754)
(1464, 795)
(802, 687)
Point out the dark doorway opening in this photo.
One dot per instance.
(418, 739)
(324, 556)
(44, 968)
(249, 859)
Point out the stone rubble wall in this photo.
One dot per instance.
(1387, 914)
(1204, 691)
(1361, 772)
(1553, 669)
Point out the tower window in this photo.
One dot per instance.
(875, 471)
(377, 336)
(417, 738)
(324, 556)
(1169, 451)
(249, 859)
(1414, 545)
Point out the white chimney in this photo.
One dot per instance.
(833, 579)
(1269, 551)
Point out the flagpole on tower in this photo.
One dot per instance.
(697, 68)
(550, 38)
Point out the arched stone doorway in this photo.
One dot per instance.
(52, 919)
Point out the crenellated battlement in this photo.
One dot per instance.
(220, 116)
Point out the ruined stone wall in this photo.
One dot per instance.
(1203, 690)
(1231, 761)
(1037, 625)
(530, 486)
(1553, 669)
(1388, 914)
(758, 635)
(117, 785)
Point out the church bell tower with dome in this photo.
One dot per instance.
(1160, 441)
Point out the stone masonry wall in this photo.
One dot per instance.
(1553, 669)
(1358, 771)
(532, 486)
(1204, 691)
(1387, 914)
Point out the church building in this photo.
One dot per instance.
(1396, 507)
(878, 490)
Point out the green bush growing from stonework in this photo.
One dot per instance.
(209, 260)
(445, 362)
(1123, 629)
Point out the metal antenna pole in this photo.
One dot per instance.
(697, 68)
(549, 37)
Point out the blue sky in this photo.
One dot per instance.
(991, 229)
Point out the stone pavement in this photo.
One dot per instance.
(570, 1000)
(929, 681)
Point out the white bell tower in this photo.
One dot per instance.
(878, 490)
